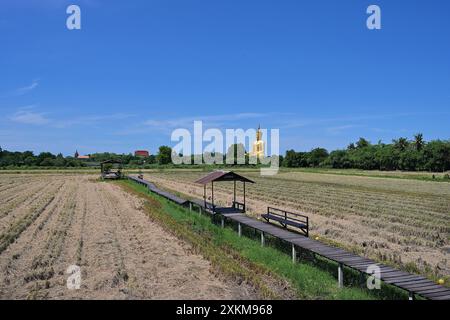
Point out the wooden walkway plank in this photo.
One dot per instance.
(349, 260)
(288, 237)
(364, 263)
(339, 254)
(438, 294)
(434, 290)
(331, 250)
(394, 275)
(413, 283)
(346, 256)
(398, 281)
(421, 286)
(418, 278)
(389, 272)
(446, 297)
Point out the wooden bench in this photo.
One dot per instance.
(286, 218)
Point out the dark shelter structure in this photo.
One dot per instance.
(111, 169)
(218, 176)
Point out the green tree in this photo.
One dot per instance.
(437, 155)
(289, 159)
(351, 146)
(30, 161)
(339, 159)
(294, 159)
(46, 162)
(362, 143)
(59, 161)
(164, 155)
(317, 156)
(387, 157)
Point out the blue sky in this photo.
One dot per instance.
(139, 69)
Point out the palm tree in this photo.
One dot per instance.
(418, 141)
(401, 143)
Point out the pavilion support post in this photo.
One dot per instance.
(212, 196)
(190, 206)
(234, 194)
(222, 222)
(341, 275)
(245, 207)
(204, 195)
(239, 229)
(294, 254)
(262, 239)
(199, 210)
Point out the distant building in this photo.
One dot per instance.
(77, 156)
(141, 153)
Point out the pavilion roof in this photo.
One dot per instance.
(222, 176)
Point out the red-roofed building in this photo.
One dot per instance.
(141, 153)
(78, 156)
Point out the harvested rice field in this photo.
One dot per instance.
(49, 222)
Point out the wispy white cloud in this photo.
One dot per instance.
(166, 125)
(28, 116)
(299, 122)
(210, 120)
(385, 130)
(26, 89)
(91, 120)
(339, 129)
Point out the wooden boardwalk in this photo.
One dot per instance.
(165, 194)
(414, 284)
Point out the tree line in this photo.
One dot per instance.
(46, 159)
(401, 154)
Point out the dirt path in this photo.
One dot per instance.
(121, 253)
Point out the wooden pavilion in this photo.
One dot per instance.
(219, 176)
(111, 169)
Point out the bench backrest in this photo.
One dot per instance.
(288, 215)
